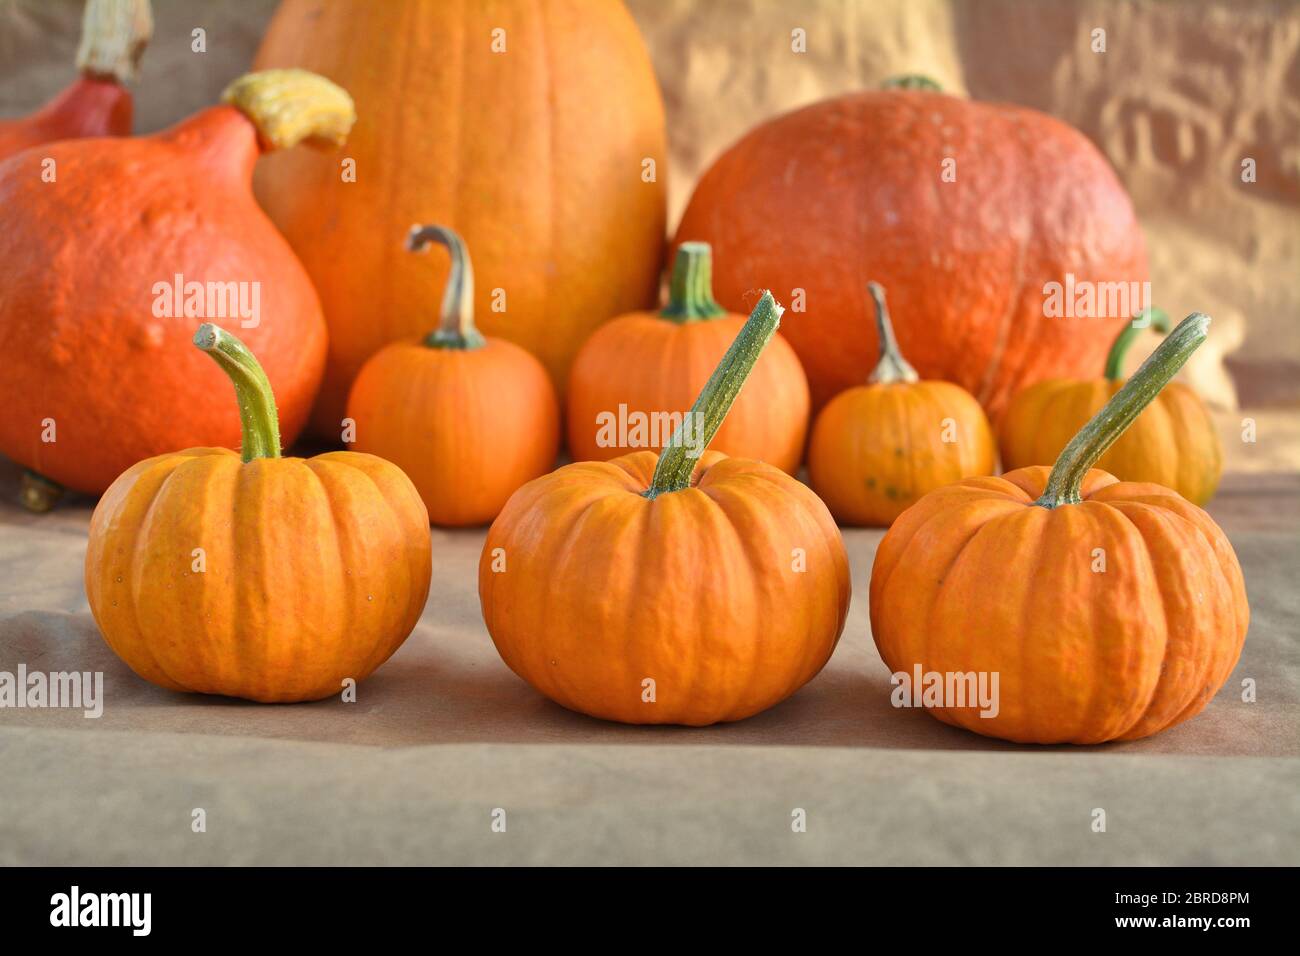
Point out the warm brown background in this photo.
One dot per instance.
(1184, 92)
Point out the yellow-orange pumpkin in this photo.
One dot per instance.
(682, 590)
(1173, 443)
(268, 578)
(468, 418)
(535, 130)
(879, 447)
(1107, 610)
(634, 376)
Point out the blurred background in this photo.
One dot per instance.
(1182, 95)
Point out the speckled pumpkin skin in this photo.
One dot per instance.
(876, 449)
(654, 365)
(855, 185)
(88, 107)
(698, 590)
(316, 570)
(534, 156)
(975, 577)
(79, 259)
(1173, 442)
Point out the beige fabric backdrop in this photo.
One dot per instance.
(1182, 94)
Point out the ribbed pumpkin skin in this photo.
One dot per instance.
(79, 259)
(855, 184)
(533, 155)
(316, 570)
(974, 577)
(652, 364)
(876, 449)
(467, 426)
(696, 589)
(1172, 443)
(88, 107)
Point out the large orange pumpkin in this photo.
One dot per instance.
(273, 579)
(108, 270)
(1173, 443)
(468, 418)
(688, 589)
(635, 374)
(1107, 610)
(113, 35)
(536, 131)
(965, 211)
(877, 448)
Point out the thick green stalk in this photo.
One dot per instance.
(1157, 319)
(677, 460)
(1119, 413)
(257, 415)
(456, 328)
(690, 290)
(891, 367)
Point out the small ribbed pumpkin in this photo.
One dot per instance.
(268, 578)
(636, 373)
(1109, 610)
(689, 588)
(113, 35)
(1173, 443)
(877, 448)
(469, 418)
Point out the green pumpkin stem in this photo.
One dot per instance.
(690, 290)
(114, 34)
(911, 81)
(891, 367)
(1066, 479)
(1157, 319)
(257, 416)
(37, 493)
(678, 459)
(456, 328)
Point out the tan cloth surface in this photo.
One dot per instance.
(444, 733)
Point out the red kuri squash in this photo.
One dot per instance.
(108, 268)
(113, 35)
(535, 130)
(965, 211)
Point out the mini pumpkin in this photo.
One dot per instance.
(636, 373)
(109, 269)
(113, 35)
(469, 418)
(687, 588)
(268, 578)
(1173, 443)
(1109, 610)
(879, 447)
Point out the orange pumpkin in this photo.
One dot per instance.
(113, 35)
(965, 211)
(688, 589)
(108, 270)
(879, 447)
(468, 418)
(273, 579)
(634, 375)
(1107, 610)
(1173, 443)
(535, 130)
